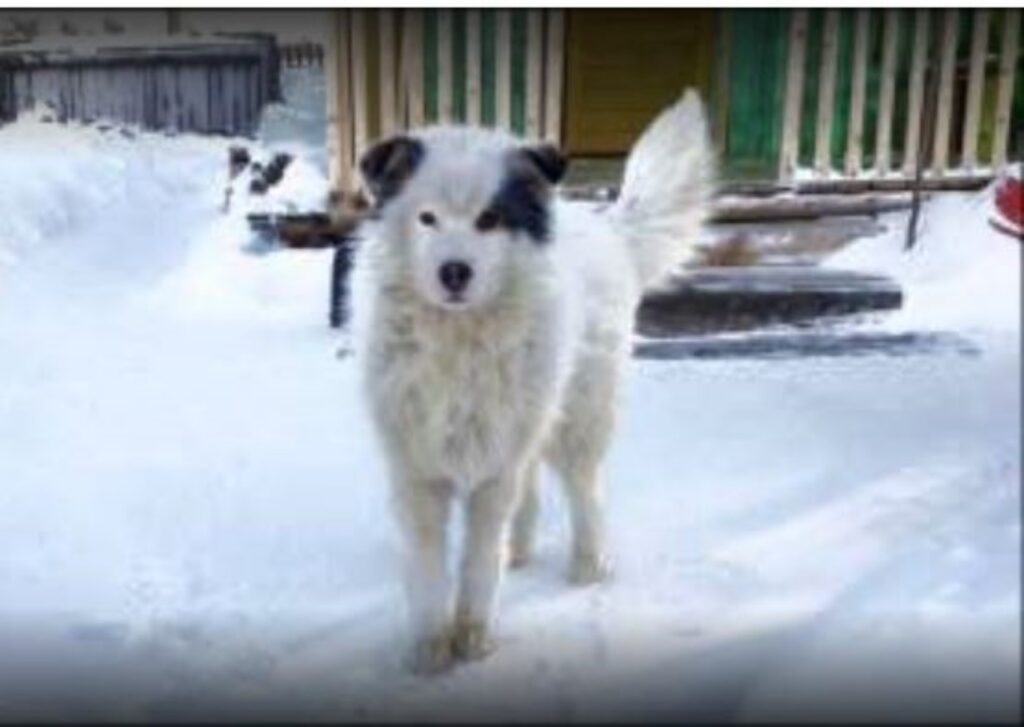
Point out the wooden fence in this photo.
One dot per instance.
(392, 69)
(212, 86)
(928, 87)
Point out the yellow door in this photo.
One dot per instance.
(623, 66)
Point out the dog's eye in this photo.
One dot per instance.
(487, 220)
(428, 218)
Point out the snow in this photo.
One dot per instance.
(194, 519)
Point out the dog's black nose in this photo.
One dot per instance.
(455, 275)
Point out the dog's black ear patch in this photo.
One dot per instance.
(521, 204)
(387, 165)
(549, 160)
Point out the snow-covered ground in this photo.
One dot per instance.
(194, 521)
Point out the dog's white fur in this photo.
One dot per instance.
(469, 396)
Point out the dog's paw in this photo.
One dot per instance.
(472, 641)
(433, 655)
(588, 569)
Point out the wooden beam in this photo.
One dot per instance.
(360, 99)
(473, 66)
(915, 100)
(503, 69)
(534, 71)
(826, 93)
(554, 68)
(388, 81)
(444, 66)
(883, 129)
(1004, 95)
(855, 128)
(790, 149)
(332, 67)
(975, 85)
(944, 109)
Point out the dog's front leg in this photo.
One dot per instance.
(422, 509)
(489, 511)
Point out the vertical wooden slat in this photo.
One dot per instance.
(534, 71)
(473, 66)
(790, 148)
(444, 65)
(388, 82)
(346, 159)
(412, 60)
(554, 67)
(332, 63)
(855, 133)
(883, 129)
(503, 69)
(360, 100)
(944, 109)
(1004, 95)
(975, 84)
(916, 95)
(826, 93)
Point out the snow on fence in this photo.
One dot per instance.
(943, 88)
(218, 85)
(392, 69)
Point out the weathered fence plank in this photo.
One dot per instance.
(554, 68)
(826, 93)
(944, 108)
(1004, 96)
(915, 101)
(790, 148)
(855, 133)
(975, 84)
(883, 130)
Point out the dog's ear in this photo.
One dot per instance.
(548, 160)
(388, 164)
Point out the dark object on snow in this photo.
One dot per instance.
(744, 298)
(216, 85)
(265, 177)
(341, 266)
(803, 344)
(238, 160)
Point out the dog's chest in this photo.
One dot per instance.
(466, 406)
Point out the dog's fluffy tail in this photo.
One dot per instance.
(666, 189)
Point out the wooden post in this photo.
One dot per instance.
(916, 97)
(826, 93)
(944, 110)
(503, 69)
(473, 66)
(331, 64)
(555, 63)
(790, 148)
(1004, 95)
(412, 67)
(360, 101)
(975, 84)
(855, 128)
(534, 71)
(388, 82)
(883, 130)
(444, 66)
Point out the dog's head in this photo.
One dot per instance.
(466, 209)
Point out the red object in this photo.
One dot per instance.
(1009, 213)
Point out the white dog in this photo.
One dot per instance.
(494, 324)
